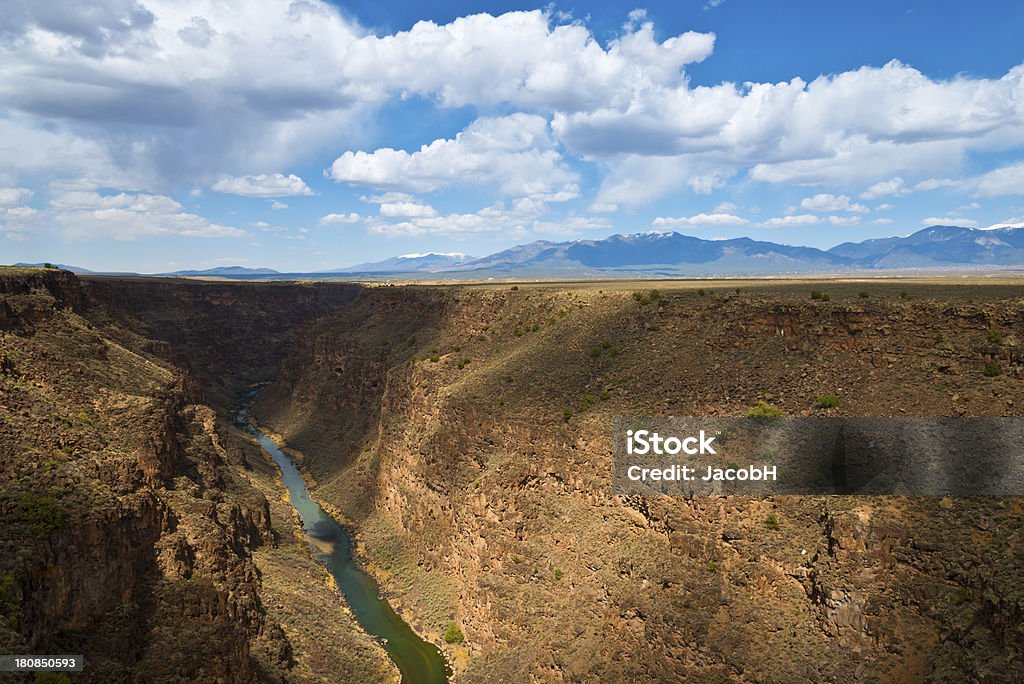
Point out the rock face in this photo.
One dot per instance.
(126, 537)
(128, 514)
(228, 335)
(465, 431)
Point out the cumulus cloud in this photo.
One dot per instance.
(516, 153)
(86, 215)
(936, 183)
(263, 185)
(793, 220)
(340, 218)
(949, 221)
(523, 58)
(844, 220)
(1008, 180)
(10, 197)
(894, 187)
(843, 127)
(407, 210)
(700, 220)
(827, 202)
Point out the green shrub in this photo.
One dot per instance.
(587, 401)
(566, 415)
(453, 634)
(904, 295)
(995, 336)
(42, 513)
(771, 522)
(517, 332)
(463, 363)
(712, 566)
(594, 352)
(762, 410)
(816, 294)
(558, 573)
(434, 358)
(992, 369)
(826, 401)
(863, 294)
(654, 295)
(826, 297)
(737, 290)
(515, 287)
(701, 292)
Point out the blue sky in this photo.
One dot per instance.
(152, 135)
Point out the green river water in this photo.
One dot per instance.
(420, 662)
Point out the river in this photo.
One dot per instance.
(420, 662)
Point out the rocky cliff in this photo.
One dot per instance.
(465, 431)
(130, 511)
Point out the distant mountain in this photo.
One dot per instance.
(672, 254)
(78, 270)
(227, 271)
(667, 253)
(409, 263)
(939, 247)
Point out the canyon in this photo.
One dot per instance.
(463, 432)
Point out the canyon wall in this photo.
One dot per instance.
(134, 520)
(465, 431)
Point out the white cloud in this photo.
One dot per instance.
(635, 179)
(263, 185)
(894, 187)
(276, 206)
(936, 183)
(10, 197)
(407, 210)
(340, 218)
(827, 202)
(881, 221)
(12, 205)
(949, 221)
(853, 126)
(1008, 180)
(793, 220)
(700, 220)
(844, 220)
(387, 198)
(516, 153)
(604, 208)
(885, 207)
(522, 58)
(85, 215)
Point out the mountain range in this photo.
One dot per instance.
(674, 254)
(935, 248)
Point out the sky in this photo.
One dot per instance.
(305, 135)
